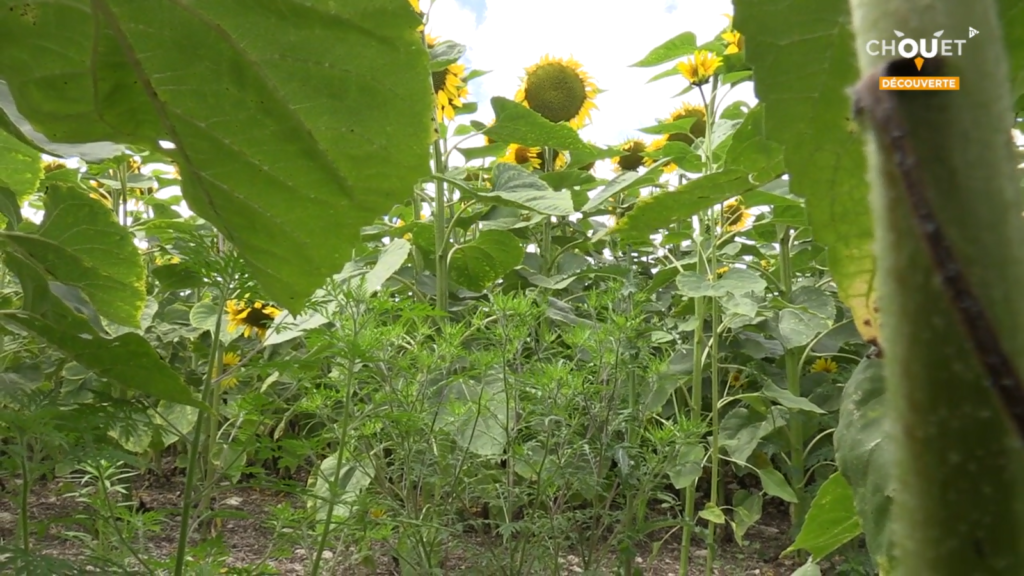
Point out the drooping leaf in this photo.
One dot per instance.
(20, 167)
(389, 261)
(487, 258)
(618, 184)
(294, 123)
(80, 243)
(679, 45)
(746, 512)
(518, 187)
(807, 111)
(445, 53)
(352, 479)
(517, 124)
(653, 213)
(865, 456)
(831, 522)
(686, 467)
(775, 483)
(681, 125)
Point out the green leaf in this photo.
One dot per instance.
(659, 211)
(712, 513)
(746, 512)
(177, 277)
(675, 127)
(519, 187)
(476, 413)
(831, 522)
(352, 480)
(686, 467)
(807, 111)
(775, 483)
(389, 261)
(751, 151)
(489, 151)
(10, 209)
(798, 327)
(515, 123)
(865, 455)
(815, 300)
(680, 45)
(127, 360)
(20, 166)
(736, 281)
(788, 399)
(205, 314)
(808, 569)
(305, 121)
(487, 258)
(80, 243)
(620, 183)
(445, 53)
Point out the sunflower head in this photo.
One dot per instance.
(735, 216)
(134, 165)
(721, 271)
(53, 166)
(630, 159)
(525, 156)
(231, 359)
(826, 365)
(251, 317)
(449, 86)
(733, 39)
(698, 129)
(736, 380)
(699, 67)
(559, 90)
(658, 144)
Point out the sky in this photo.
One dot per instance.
(605, 36)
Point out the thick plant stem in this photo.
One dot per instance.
(440, 228)
(796, 430)
(696, 413)
(715, 456)
(959, 507)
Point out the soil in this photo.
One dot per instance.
(249, 542)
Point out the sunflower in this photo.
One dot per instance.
(736, 380)
(230, 359)
(658, 144)
(734, 216)
(162, 260)
(559, 90)
(377, 513)
(698, 129)
(526, 156)
(630, 159)
(721, 271)
(733, 39)
(251, 317)
(826, 365)
(134, 165)
(53, 166)
(766, 264)
(698, 68)
(449, 86)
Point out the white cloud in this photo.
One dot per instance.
(605, 36)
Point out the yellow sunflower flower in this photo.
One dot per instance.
(736, 380)
(698, 129)
(734, 216)
(698, 68)
(449, 86)
(134, 165)
(721, 271)
(525, 156)
(53, 166)
(377, 513)
(733, 39)
(826, 365)
(559, 90)
(658, 144)
(766, 264)
(251, 317)
(231, 359)
(630, 159)
(162, 260)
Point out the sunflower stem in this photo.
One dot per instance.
(959, 472)
(793, 357)
(440, 230)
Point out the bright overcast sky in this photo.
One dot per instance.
(605, 36)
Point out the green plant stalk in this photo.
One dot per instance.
(194, 447)
(793, 357)
(696, 415)
(959, 472)
(26, 490)
(440, 228)
(709, 565)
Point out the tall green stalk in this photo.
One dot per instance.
(440, 230)
(959, 507)
(798, 510)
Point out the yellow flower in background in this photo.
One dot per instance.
(735, 217)
(377, 513)
(699, 67)
(449, 86)
(721, 271)
(100, 195)
(733, 39)
(53, 166)
(699, 127)
(231, 359)
(162, 260)
(251, 317)
(658, 144)
(134, 165)
(826, 365)
(766, 264)
(525, 156)
(559, 90)
(630, 159)
(736, 380)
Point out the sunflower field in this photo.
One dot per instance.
(273, 300)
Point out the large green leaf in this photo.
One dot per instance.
(751, 151)
(128, 359)
(80, 243)
(653, 213)
(680, 45)
(295, 122)
(517, 124)
(488, 257)
(864, 456)
(20, 168)
(831, 522)
(803, 56)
